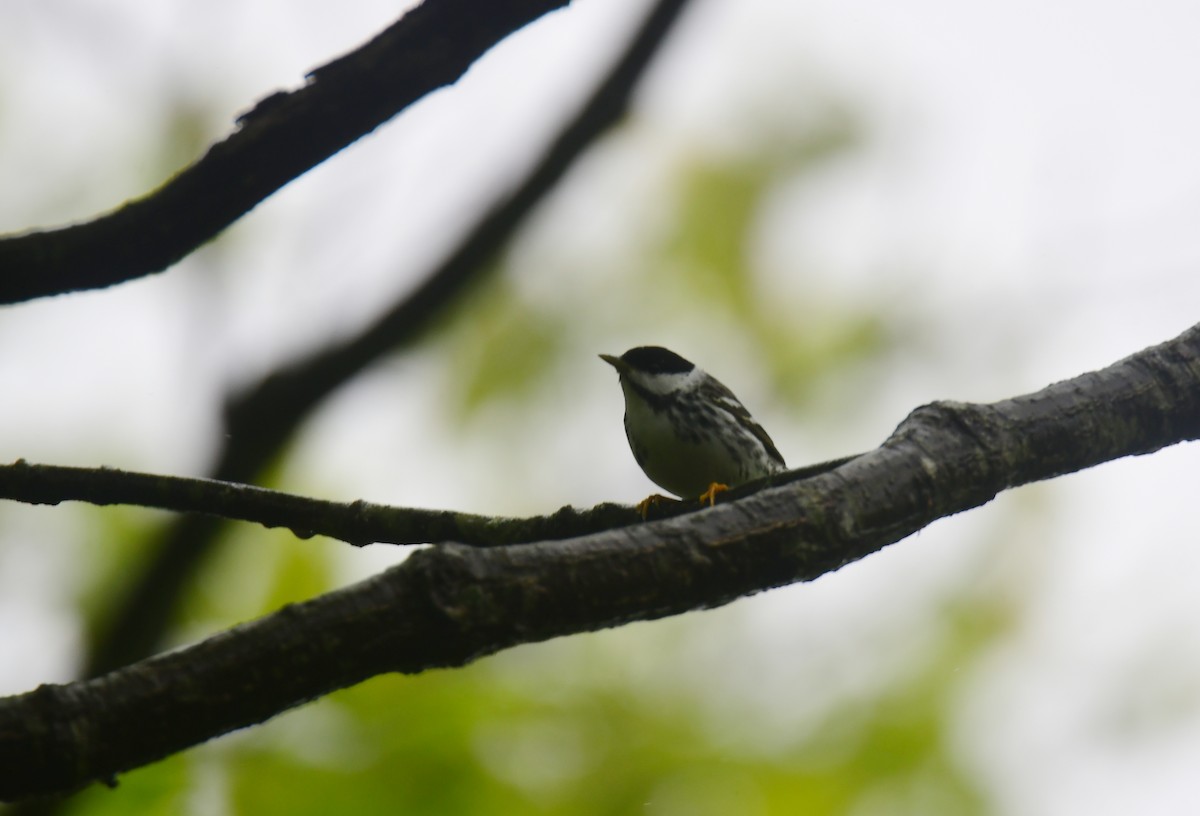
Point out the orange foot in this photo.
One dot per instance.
(646, 504)
(709, 496)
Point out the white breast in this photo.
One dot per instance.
(681, 466)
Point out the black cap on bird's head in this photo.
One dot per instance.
(649, 360)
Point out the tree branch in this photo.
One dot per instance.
(448, 605)
(428, 48)
(358, 523)
(260, 422)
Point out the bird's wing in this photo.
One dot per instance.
(723, 397)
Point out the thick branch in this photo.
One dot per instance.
(448, 605)
(430, 47)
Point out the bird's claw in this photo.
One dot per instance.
(709, 497)
(650, 502)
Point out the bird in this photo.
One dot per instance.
(688, 432)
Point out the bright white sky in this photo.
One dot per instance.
(1030, 183)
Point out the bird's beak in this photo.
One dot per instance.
(615, 362)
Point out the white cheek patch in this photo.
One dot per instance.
(667, 383)
(693, 378)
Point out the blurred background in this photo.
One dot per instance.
(843, 210)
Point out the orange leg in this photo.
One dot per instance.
(709, 496)
(645, 504)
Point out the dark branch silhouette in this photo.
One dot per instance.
(285, 135)
(358, 523)
(449, 605)
(260, 422)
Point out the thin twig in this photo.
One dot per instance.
(358, 523)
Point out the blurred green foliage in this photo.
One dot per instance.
(505, 343)
(119, 539)
(499, 348)
(801, 339)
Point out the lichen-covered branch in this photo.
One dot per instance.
(448, 605)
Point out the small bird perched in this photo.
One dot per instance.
(687, 431)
